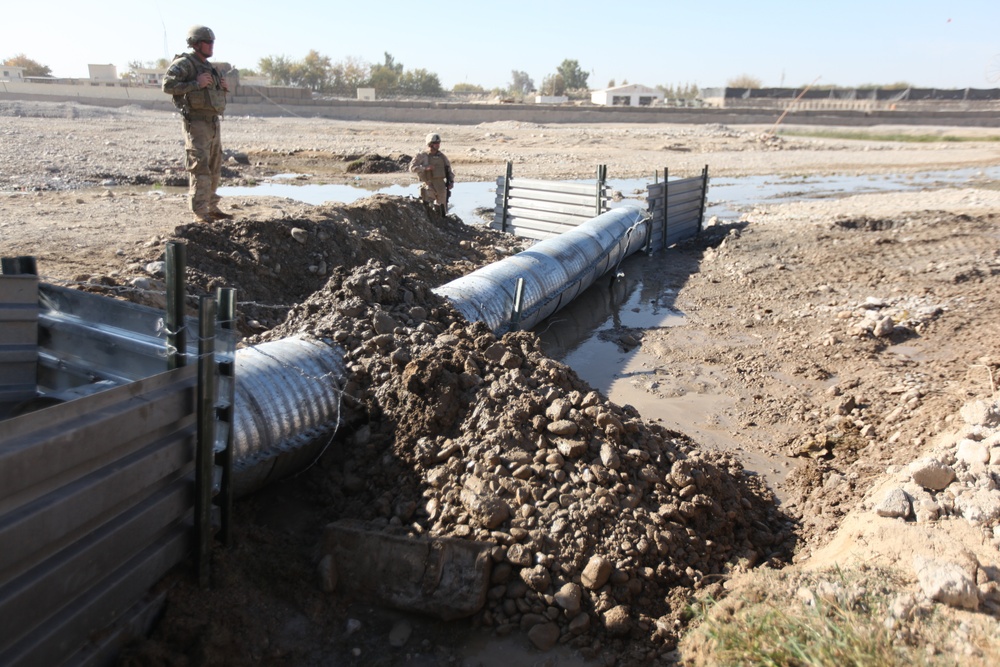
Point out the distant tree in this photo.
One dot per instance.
(312, 72)
(467, 88)
(419, 82)
(573, 77)
(386, 76)
(31, 67)
(520, 83)
(611, 83)
(686, 91)
(553, 85)
(350, 74)
(278, 69)
(744, 81)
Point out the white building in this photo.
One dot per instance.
(629, 95)
(149, 77)
(103, 72)
(11, 73)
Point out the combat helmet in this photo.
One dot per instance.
(200, 33)
(433, 137)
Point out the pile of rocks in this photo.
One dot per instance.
(602, 524)
(956, 481)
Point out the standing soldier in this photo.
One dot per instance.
(434, 171)
(199, 91)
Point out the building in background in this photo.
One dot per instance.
(103, 72)
(628, 95)
(11, 73)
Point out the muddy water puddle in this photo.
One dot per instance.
(727, 196)
(598, 335)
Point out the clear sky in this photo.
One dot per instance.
(787, 43)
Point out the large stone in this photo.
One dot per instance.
(979, 506)
(443, 577)
(895, 504)
(946, 582)
(383, 322)
(566, 427)
(537, 578)
(544, 635)
(570, 449)
(488, 509)
(984, 413)
(932, 474)
(972, 451)
(617, 620)
(568, 598)
(596, 573)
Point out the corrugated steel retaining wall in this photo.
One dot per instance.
(543, 209)
(96, 499)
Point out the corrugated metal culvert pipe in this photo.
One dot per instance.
(555, 271)
(287, 406)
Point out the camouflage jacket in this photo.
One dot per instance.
(181, 81)
(440, 167)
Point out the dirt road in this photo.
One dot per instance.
(831, 344)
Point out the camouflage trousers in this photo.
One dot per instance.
(203, 146)
(434, 191)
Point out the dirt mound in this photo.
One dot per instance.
(378, 164)
(279, 261)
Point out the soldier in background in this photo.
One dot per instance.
(199, 92)
(434, 171)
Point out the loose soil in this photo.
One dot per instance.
(786, 310)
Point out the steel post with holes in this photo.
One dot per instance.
(602, 175)
(176, 266)
(226, 363)
(204, 461)
(506, 196)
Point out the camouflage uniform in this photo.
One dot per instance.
(202, 109)
(436, 181)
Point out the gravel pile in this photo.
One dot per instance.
(603, 523)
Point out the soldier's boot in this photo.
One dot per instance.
(218, 214)
(203, 215)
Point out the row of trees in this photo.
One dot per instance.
(318, 73)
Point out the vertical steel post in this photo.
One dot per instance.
(225, 410)
(176, 266)
(704, 198)
(204, 463)
(666, 202)
(602, 174)
(506, 196)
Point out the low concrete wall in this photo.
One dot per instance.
(472, 114)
